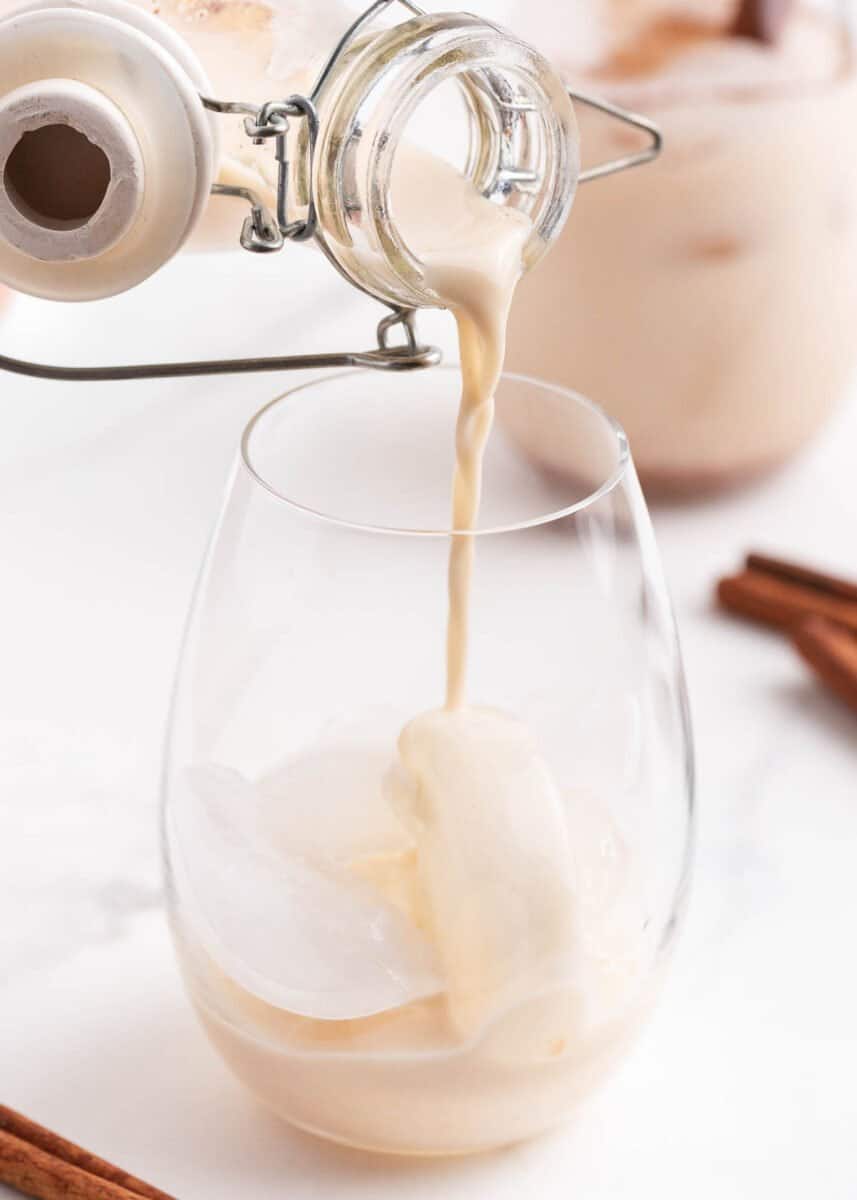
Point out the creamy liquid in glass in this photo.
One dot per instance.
(540, 993)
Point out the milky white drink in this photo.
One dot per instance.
(524, 982)
(516, 983)
(707, 301)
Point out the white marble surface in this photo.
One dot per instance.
(743, 1085)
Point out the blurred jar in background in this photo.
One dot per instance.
(708, 301)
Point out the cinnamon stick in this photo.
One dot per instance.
(40, 1163)
(831, 651)
(762, 20)
(796, 573)
(775, 600)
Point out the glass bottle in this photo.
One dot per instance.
(735, 311)
(519, 134)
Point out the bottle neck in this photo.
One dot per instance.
(519, 138)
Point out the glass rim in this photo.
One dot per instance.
(608, 485)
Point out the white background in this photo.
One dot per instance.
(744, 1084)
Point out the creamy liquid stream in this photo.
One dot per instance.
(472, 252)
(495, 870)
(470, 784)
(481, 362)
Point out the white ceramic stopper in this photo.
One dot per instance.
(107, 155)
(71, 171)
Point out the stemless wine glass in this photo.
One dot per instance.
(318, 631)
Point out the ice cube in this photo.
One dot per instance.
(299, 931)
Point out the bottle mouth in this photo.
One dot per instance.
(521, 148)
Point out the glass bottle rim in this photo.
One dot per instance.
(376, 93)
(609, 484)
